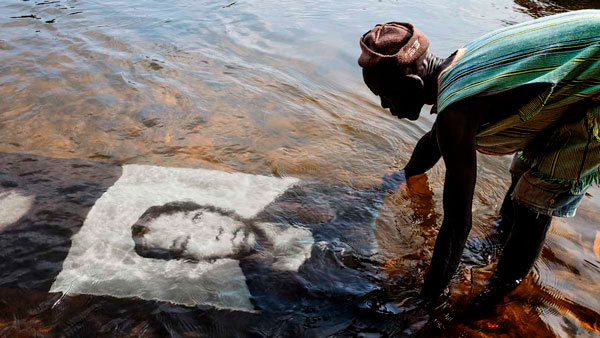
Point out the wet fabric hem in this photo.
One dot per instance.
(554, 200)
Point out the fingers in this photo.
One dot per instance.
(392, 181)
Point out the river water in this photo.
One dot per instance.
(263, 98)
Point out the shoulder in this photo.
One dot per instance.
(492, 108)
(466, 112)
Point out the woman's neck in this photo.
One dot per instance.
(433, 66)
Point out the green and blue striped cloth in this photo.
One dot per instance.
(562, 51)
(560, 55)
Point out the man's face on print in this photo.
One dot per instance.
(189, 231)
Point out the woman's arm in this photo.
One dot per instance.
(425, 155)
(456, 130)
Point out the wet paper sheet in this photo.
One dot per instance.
(104, 259)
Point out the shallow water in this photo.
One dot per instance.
(91, 89)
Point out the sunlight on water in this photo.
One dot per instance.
(267, 88)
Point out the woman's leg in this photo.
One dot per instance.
(522, 248)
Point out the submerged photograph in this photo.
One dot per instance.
(300, 169)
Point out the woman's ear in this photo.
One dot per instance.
(415, 81)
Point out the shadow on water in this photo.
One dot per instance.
(56, 196)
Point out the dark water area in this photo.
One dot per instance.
(248, 120)
(539, 8)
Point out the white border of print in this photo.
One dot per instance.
(102, 260)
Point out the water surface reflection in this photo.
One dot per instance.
(269, 88)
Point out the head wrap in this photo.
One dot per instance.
(396, 42)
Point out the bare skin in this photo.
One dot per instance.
(453, 138)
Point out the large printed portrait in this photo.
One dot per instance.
(179, 235)
(193, 237)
